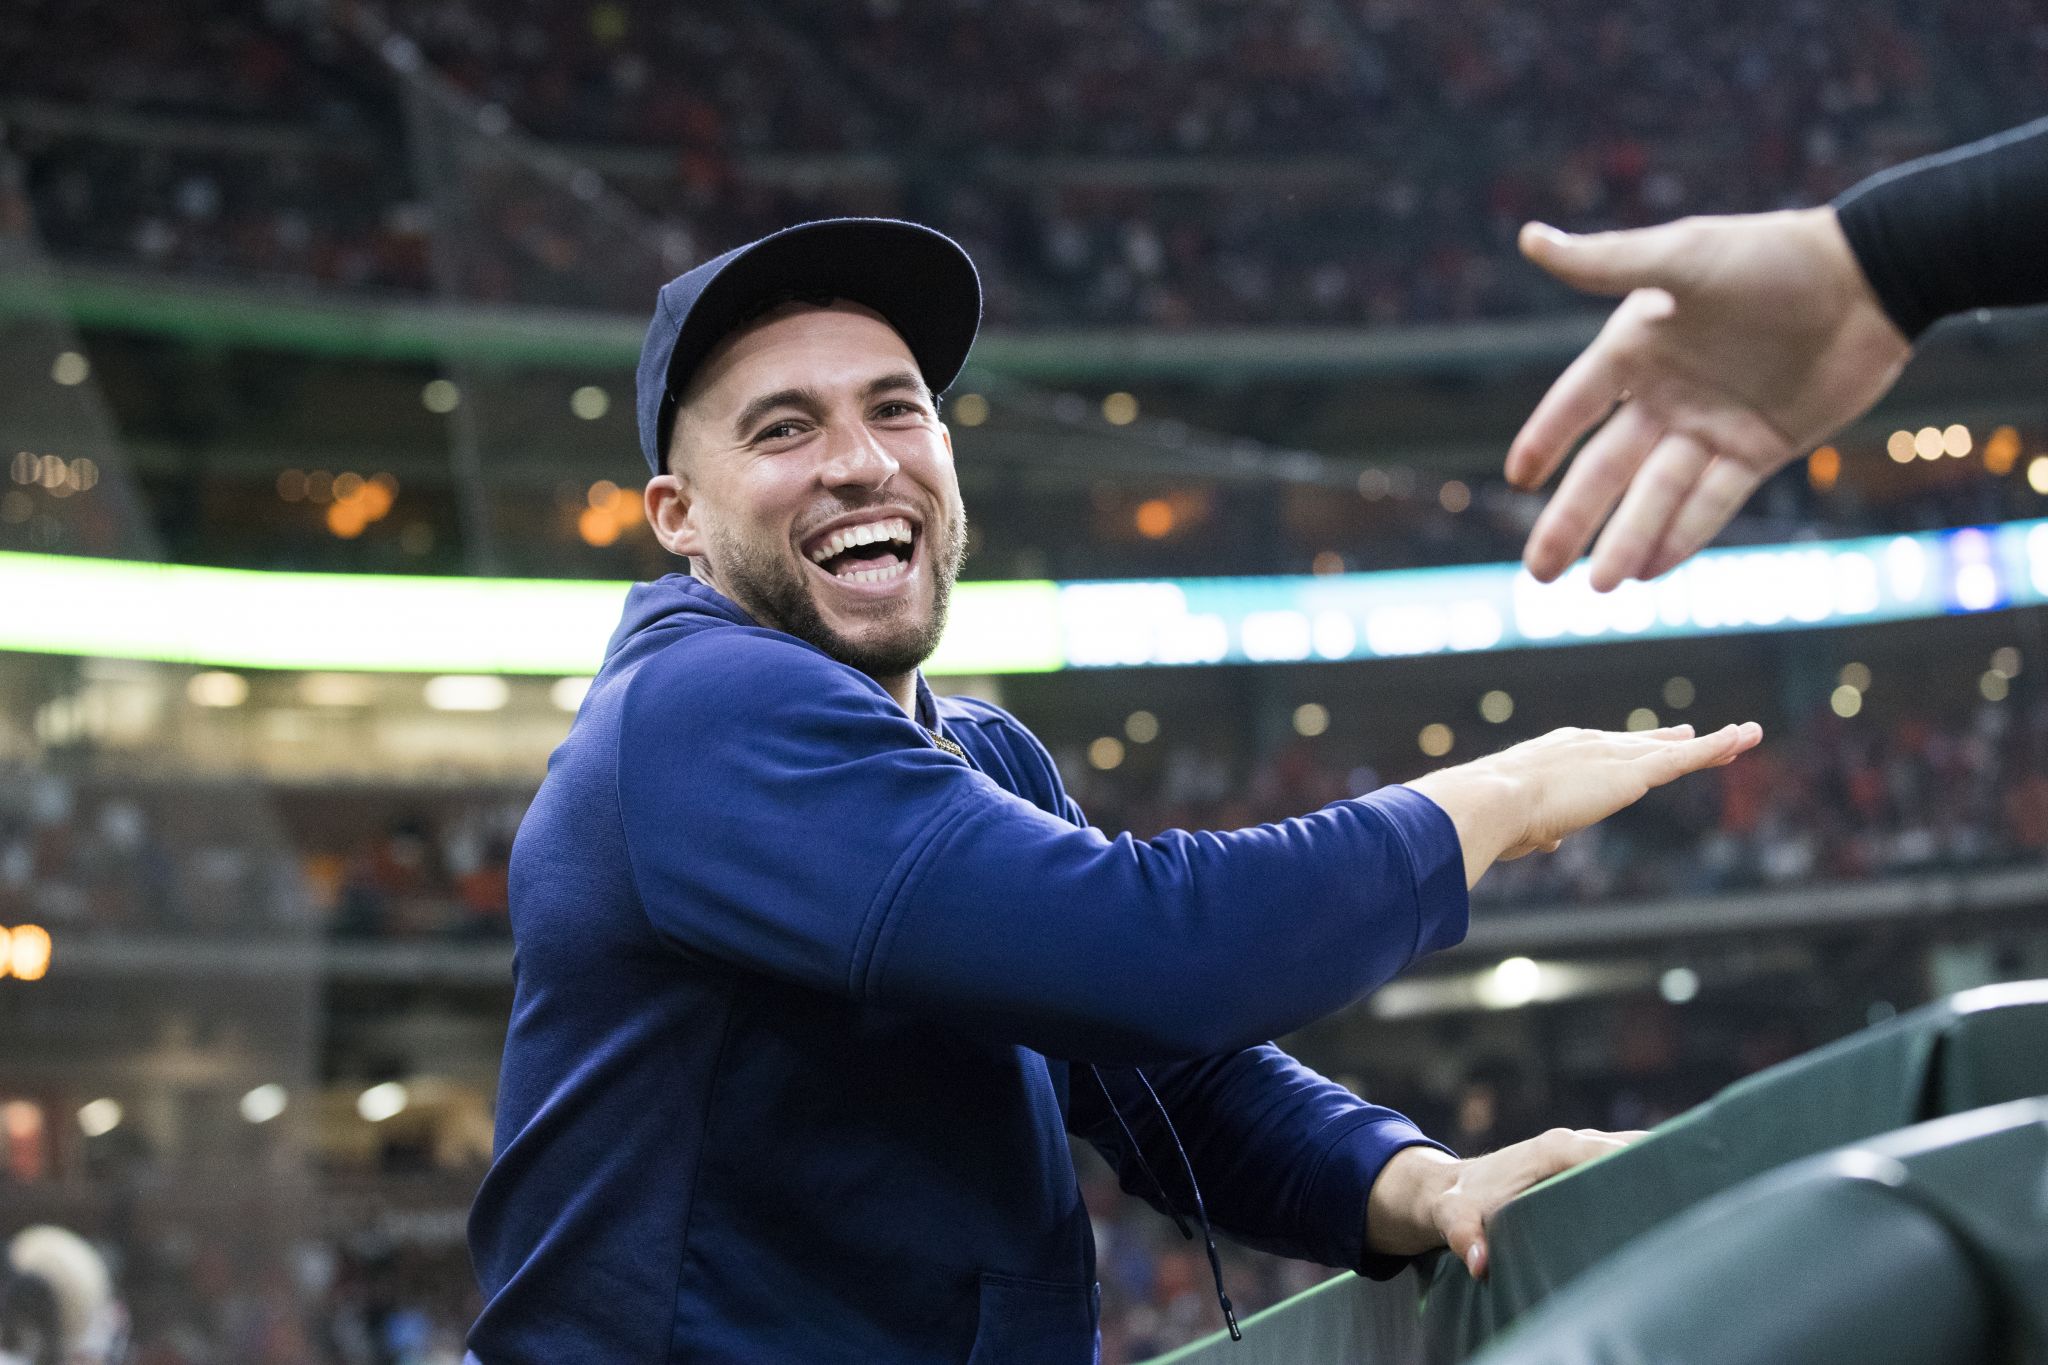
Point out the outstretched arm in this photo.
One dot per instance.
(1744, 341)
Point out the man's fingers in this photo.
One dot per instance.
(1563, 1148)
(1722, 489)
(1589, 491)
(1600, 262)
(1676, 759)
(1654, 495)
(1465, 1234)
(1580, 397)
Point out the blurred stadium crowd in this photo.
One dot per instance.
(1183, 162)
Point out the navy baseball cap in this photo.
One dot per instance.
(919, 280)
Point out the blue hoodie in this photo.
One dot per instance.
(808, 1004)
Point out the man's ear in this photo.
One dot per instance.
(671, 510)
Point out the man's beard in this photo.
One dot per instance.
(775, 594)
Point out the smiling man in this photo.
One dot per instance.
(816, 973)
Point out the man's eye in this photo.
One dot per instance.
(899, 408)
(778, 431)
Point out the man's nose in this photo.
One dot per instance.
(854, 457)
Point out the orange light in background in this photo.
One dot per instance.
(597, 526)
(1155, 519)
(2001, 451)
(625, 508)
(28, 953)
(291, 485)
(347, 520)
(1823, 467)
(1454, 497)
(609, 512)
(1327, 562)
(358, 502)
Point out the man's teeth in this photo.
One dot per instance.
(895, 570)
(845, 538)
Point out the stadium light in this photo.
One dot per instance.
(568, 693)
(381, 1102)
(1512, 984)
(97, 1118)
(1106, 753)
(70, 369)
(467, 692)
(1311, 718)
(27, 952)
(266, 1102)
(216, 689)
(1679, 985)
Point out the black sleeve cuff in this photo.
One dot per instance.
(1958, 230)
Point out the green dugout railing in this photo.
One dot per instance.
(1928, 1246)
(1565, 1238)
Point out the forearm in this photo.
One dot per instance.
(1959, 230)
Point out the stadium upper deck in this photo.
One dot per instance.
(1296, 161)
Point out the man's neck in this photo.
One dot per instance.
(904, 689)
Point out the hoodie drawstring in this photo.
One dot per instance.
(1201, 1209)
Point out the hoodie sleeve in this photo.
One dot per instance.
(783, 815)
(1285, 1158)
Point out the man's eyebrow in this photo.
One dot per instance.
(810, 401)
(807, 399)
(902, 379)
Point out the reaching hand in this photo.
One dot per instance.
(1528, 797)
(1425, 1199)
(1743, 341)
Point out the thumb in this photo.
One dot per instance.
(1466, 1238)
(1600, 262)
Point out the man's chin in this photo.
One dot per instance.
(886, 643)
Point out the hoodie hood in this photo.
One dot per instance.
(661, 612)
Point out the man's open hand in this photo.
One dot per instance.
(1529, 797)
(1743, 342)
(1425, 1199)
